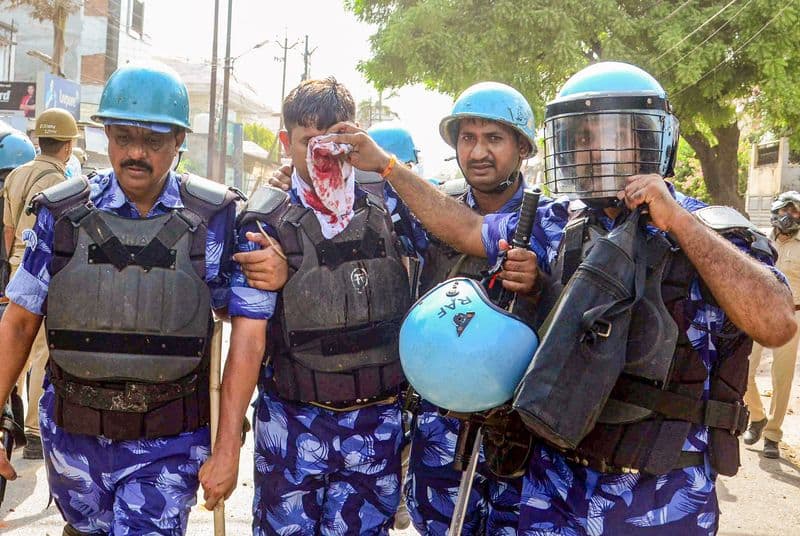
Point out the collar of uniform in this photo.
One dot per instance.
(51, 160)
(773, 235)
(113, 197)
(510, 206)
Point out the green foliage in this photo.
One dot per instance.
(710, 58)
(43, 10)
(260, 135)
(688, 177)
(190, 166)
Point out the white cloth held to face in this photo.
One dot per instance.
(333, 178)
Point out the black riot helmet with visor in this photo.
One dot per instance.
(610, 121)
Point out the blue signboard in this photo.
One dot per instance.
(55, 92)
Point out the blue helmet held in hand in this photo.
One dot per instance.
(460, 351)
(395, 139)
(495, 102)
(610, 121)
(15, 149)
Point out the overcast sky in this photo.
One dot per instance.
(184, 28)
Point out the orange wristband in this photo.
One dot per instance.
(389, 167)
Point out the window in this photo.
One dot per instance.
(137, 17)
(767, 154)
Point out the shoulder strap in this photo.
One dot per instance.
(62, 197)
(205, 197)
(266, 204)
(572, 251)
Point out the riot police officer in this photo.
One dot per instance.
(56, 131)
(128, 266)
(16, 149)
(785, 221)
(651, 460)
(491, 130)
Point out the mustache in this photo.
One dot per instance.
(137, 163)
(471, 163)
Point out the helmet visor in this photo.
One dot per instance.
(591, 155)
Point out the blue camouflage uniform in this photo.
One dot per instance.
(560, 498)
(318, 470)
(432, 485)
(134, 487)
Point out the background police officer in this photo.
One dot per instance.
(130, 267)
(490, 128)
(785, 221)
(56, 131)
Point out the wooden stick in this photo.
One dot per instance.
(214, 393)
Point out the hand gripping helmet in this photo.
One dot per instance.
(610, 121)
(395, 139)
(15, 149)
(460, 351)
(493, 101)
(145, 95)
(785, 223)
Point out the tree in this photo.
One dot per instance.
(56, 12)
(260, 135)
(717, 59)
(369, 112)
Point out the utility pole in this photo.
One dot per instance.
(286, 49)
(306, 56)
(225, 91)
(211, 147)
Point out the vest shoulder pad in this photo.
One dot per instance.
(206, 197)
(729, 221)
(454, 187)
(61, 197)
(263, 205)
(722, 219)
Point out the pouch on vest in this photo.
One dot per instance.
(583, 348)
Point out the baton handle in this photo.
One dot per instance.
(527, 217)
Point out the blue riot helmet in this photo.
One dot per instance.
(395, 139)
(148, 95)
(611, 120)
(460, 351)
(15, 149)
(495, 102)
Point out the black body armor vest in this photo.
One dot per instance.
(333, 339)
(128, 313)
(659, 395)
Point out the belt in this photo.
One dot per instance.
(359, 404)
(686, 459)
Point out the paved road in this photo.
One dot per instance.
(763, 499)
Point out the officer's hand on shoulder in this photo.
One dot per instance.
(265, 268)
(282, 178)
(218, 476)
(520, 271)
(6, 470)
(652, 190)
(366, 155)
